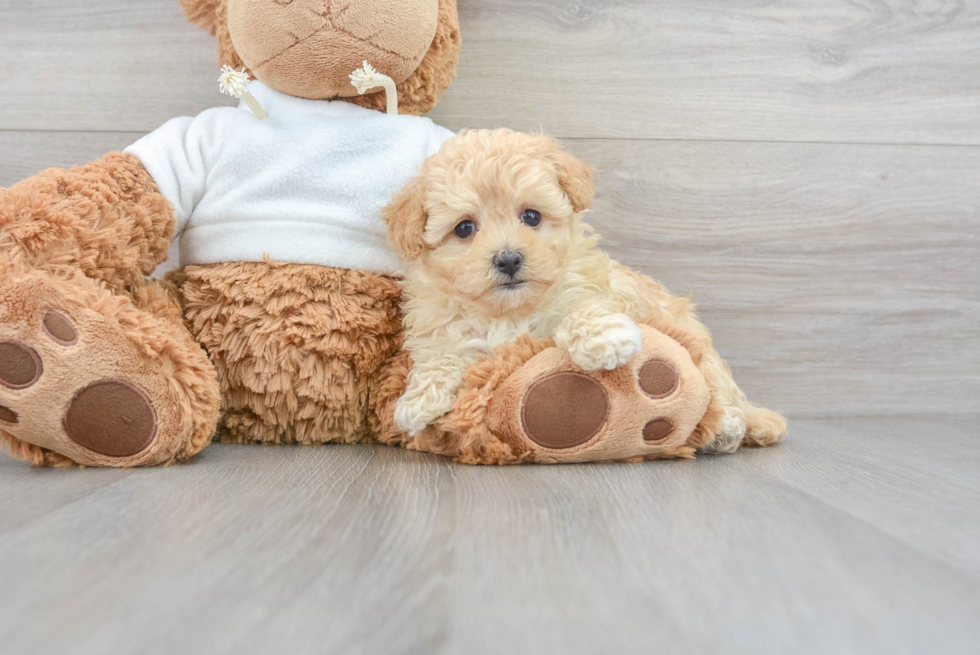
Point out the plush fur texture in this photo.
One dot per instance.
(106, 219)
(459, 305)
(297, 347)
(628, 409)
(80, 241)
(417, 94)
(86, 237)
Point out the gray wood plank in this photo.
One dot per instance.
(916, 478)
(878, 71)
(23, 154)
(103, 65)
(836, 279)
(242, 542)
(707, 558)
(367, 549)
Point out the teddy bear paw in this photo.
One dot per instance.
(73, 382)
(645, 409)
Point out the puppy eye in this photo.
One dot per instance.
(531, 217)
(465, 229)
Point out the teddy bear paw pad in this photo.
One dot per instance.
(112, 418)
(658, 379)
(20, 366)
(564, 410)
(8, 415)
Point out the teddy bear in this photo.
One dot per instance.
(281, 323)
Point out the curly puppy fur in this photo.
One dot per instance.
(417, 95)
(297, 347)
(460, 306)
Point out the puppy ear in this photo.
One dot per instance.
(574, 177)
(405, 218)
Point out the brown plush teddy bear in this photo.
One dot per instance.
(282, 324)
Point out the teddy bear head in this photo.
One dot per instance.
(308, 48)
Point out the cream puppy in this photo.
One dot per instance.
(495, 247)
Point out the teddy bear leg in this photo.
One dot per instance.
(92, 378)
(297, 347)
(656, 406)
(531, 403)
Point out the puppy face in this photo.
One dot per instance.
(492, 217)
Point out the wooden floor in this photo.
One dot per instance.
(807, 170)
(856, 536)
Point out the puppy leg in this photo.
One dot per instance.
(731, 430)
(763, 427)
(433, 384)
(742, 422)
(597, 339)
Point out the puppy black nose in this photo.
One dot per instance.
(508, 262)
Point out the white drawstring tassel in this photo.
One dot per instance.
(235, 84)
(367, 77)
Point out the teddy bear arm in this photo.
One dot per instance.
(106, 218)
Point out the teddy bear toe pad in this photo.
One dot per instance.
(658, 379)
(59, 328)
(20, 367)
(643, 410)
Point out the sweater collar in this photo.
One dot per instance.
(277, 102)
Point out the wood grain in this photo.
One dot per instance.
(815, 546)
(837, 279)
(23, 154)
(887, 71)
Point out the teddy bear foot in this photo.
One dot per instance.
(86, 377)
(646, 409)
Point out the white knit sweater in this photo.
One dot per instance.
(304, 186)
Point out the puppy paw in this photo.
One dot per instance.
(731, 432)
(603, 342)
(416, 412)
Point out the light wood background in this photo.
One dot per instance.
(808, 170)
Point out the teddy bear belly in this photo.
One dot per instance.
(297, 347)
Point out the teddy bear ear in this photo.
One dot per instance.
(405, 217)
(203, 13)
(212, 15)
(419, 93)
